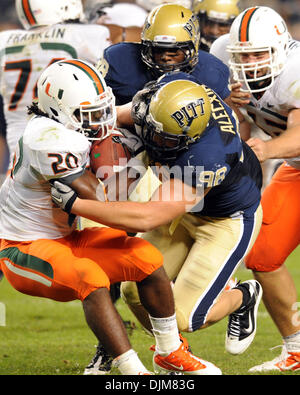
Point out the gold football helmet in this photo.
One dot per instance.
(216, 17)
(171, 27)
(177, 115)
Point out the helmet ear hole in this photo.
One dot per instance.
(54, 111)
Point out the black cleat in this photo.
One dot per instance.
(241, 327)
(100, 364)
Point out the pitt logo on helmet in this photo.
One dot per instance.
(186, 115)
(191, 26)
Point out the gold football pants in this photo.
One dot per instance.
(200, 256)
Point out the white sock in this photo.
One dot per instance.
(129, 363)
(166, 334)
(292, 342)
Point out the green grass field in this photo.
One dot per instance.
(43, 337)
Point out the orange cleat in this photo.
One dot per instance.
(184, 362)
(286, 361)
(292, 362)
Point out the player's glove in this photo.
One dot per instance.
(140, 102)
(63, 196)
(132, 142)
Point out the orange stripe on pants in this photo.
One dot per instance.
(279, 234)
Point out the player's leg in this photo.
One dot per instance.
(134, 259)
(174, 249)
(48, 268)
(278, 237)
(220, 245)
(171, 354)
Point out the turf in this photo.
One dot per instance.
(43, 337)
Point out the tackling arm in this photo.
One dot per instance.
(86, 185)
(171, 199)
(124, 118)
(245, 127)
(287, 145)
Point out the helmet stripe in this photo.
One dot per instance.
(90, 72)
(28, 13)
(245, 23)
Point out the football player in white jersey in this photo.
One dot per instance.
(42, 254)
(265, 63)
(52, 31)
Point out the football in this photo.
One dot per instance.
(108, 156)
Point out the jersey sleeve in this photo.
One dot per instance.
(212, 72)
(288, 90)
(56, 152)
(123, 70)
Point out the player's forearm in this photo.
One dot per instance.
(286, 145)
(124, 118)
(244, 125)
(128, 216)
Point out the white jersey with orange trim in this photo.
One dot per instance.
(24, 55)
(270, 112)
(47, 150)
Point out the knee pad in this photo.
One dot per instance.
(129, 293)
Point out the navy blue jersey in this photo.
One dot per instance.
(222, 162)
(127, 73)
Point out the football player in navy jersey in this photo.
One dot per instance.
(170, 41)
(215, 17)
(204, 216)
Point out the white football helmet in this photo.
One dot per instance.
(32, 13)
(148, 5)
(255, 30)
(75, 94)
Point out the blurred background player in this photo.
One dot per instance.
(216, 17)
(124, 19)
(42, 254)
(265, 63)
(169, 42)
(149, 5)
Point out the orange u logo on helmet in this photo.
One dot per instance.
(281, 29)
(47, 89)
